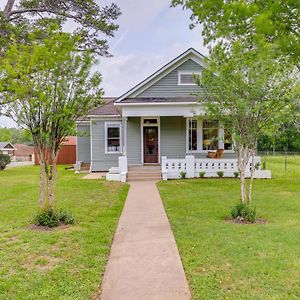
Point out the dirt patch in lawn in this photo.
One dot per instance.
(241, 221)
(45, 228)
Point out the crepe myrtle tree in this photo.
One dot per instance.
(89, 20)
(47, 86)
(250, 92)
(268, 21)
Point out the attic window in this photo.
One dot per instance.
(186, 78)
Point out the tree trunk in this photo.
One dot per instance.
(242, 154)
(52, 178)
(43, 180)
(252, 176)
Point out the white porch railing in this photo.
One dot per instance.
(192, 166)
(118, 173)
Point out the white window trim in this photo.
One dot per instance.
(113, 124)
(200, 138)
(186, 73)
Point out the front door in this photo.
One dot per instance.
(150, 145)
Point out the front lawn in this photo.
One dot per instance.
(63, 263)
(230, 261)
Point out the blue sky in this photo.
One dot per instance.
(151, 33)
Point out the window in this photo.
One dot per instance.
(186, 78)
(193, 135)
(205, 135)
(150, 121)
(113, 137)
(210, 135)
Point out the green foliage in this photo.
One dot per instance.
(47, 96)
(182, 175)
(261, 21)
(243, 212)
(236, 174)
(48, 218)
(201, 174)
(4, 161)
(16, 136)
(93, 22)
(52, 218)
(65, 217)
(220, 174)
(287, 138)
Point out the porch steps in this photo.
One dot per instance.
(144, 173)
(85, 167)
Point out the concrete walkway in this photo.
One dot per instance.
(144, 262)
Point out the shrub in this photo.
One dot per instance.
(202, 174)
(244, 213)
(236, 174)
(182, 174)
(264, 163)
(51, 218)
(65, 217)
(220, 174)
(4, 161)
(47, 218)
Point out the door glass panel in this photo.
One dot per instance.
(150, 150)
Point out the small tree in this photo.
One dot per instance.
(4, 161)
(249, 92)
(47, 85)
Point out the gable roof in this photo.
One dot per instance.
(191, 53)
(106, 109)
(3, 145)
(23, 150)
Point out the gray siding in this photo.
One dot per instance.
(83, 143)
(134, 140)
(172, 137)
(100, 160)
(168, 85)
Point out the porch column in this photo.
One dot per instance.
(190, 166)
(124, 121)
(221, 136)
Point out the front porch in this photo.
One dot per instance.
(192, 167)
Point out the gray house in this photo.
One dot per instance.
(155, 124)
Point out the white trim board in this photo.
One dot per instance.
(163, 111)
(111, 125)
(142, 136)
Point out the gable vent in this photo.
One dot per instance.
(186, 78)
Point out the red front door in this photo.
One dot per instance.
(150, 145)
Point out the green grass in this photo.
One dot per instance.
(230, 261)
(62, 263)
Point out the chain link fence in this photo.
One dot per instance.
(285, 160)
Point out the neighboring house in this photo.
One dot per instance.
(7, 148)
(156, 122)
(23, 153)
(67, 152)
